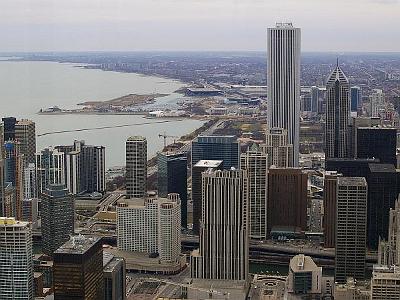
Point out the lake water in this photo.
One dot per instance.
(26, 87)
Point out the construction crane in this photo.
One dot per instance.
(165, 136)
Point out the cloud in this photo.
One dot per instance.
(194, 24)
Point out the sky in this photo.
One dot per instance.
(136, 25)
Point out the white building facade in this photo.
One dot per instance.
(224, 228)
(150, 225)
(50, 168)
(283, 81)
(16, 272)
(255, 163)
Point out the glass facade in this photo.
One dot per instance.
(225, 148)
(172, 178)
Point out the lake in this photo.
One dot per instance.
(26, 87)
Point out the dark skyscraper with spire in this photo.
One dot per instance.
(337, 115)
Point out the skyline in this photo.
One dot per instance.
(170, 25)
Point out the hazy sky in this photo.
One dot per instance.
(80, 25)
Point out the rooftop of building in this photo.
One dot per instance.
(284, 25)
(25, 122)
(141, 202)
(291, 170)
(136, 139)
(268, 285)
(208, 163)
(110, 261)
(332, 173)
(232, 173)
(172, 154)
(385, 271)
(216, 139)
(301, 263)
(358, 181)
(142, 261)
(382, 168)
(56, 191)
(5, 221)
(78, 244)
(378, 127)
(358, 160)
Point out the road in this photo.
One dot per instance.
(111, 199)
(188, 146)
(292, 249)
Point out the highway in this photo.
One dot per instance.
(111, 199)
(269, 247)
(188, 146)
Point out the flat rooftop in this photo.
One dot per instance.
(141, 261)
(78, 244)
(136, 139)
(208, 163)
(382, 168)
(358, 181)
(110, 262)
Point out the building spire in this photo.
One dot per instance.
(337, 61)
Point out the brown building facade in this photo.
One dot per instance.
(78, 269)
(330, 195)
(287, 198)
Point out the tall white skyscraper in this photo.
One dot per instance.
(283, 81)
(337, 114)
(16, 272)
(224, 228)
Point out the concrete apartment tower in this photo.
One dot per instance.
(376, 99)
(283, 81)
(351, 228)
(13, 171)
(136, 167)
(150, 225)
(256, 165)
(224, 229)
(50, 168)
(197, 190)
(25, 133)
(58, 217)
(337, 115)
(16, 272)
